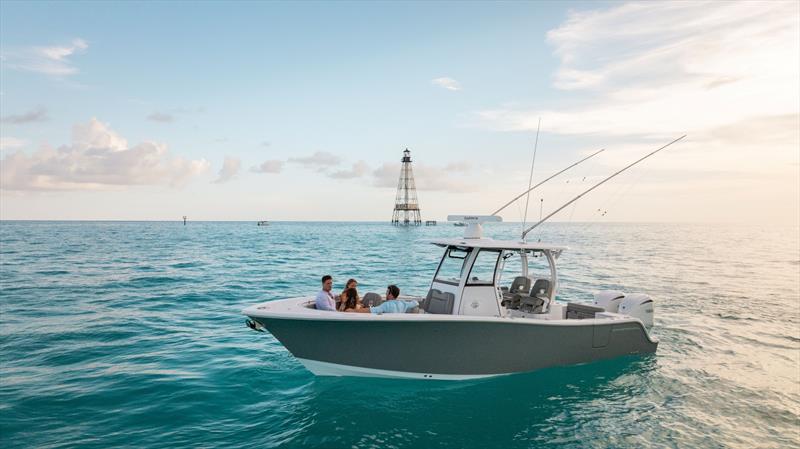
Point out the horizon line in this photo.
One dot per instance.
(179, 221)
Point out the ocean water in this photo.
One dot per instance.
(128, 334)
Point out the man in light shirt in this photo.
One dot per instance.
(391, 305)
(325, 299)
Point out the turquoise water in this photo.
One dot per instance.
(116, 334)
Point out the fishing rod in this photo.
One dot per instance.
(530, 179)
(598, 185)
(547, 179)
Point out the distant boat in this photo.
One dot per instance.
(263, 223)
(459, 223)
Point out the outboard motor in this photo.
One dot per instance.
(638, 305)
(609, 300)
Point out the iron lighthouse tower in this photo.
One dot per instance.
(406, 207)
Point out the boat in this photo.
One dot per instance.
(262, 223)
(492, 309)
(488, 312)
(460, 224)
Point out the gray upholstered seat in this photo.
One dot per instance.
(540, 295)
(531, 304)
(577, 311)
(372, 299)
(520, 285)
(425, 302)
(519, 288)
(541, 288)
(438, 302)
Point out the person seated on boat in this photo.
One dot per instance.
(391, 305)
(351, 283)
(325, 299)
(351, 302)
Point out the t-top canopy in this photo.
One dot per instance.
(499, 244)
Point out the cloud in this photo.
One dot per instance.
(52, 60)
(661, 69)
(161, 117)
(98, 158)
(10, 143)
(173, 113)
(447, 83)
(428, 178)
(319, 160)
(36, 115)
(358, 170)
(272, 166)
(229, 170)
(458, 167)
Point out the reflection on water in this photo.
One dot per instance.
(129, 334)
(527, 408)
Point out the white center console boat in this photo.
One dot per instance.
(491, 310)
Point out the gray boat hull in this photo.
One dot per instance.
(453, 349)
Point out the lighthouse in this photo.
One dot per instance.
(406, 208)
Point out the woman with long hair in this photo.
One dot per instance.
(352, 301)
(351, 283)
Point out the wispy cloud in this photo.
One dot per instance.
(229, 170)
(161, 117)
(11, 143)
(36, 115)
(53, 60)
(272, 166)
(98, 158)
(447, 83)
(660, 68)
(460, 166)
(428, 177)
(640, 74)
(358, 170)
(319, 160)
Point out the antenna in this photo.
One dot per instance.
(598, 185)
(530, 179)
(547, 179)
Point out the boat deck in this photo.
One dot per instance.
(302, 308)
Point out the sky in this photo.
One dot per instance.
(302, 110)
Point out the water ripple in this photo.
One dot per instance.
(128, 334)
